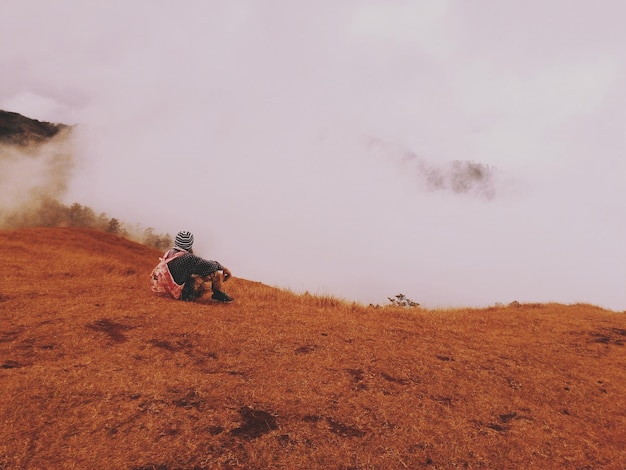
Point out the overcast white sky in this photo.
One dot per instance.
(291, 137)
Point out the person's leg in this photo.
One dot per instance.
(217, 279)
(189, 293)
(194, 288)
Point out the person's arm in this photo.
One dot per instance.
(204, 267)
(227, 273)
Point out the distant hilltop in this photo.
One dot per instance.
(16, 129)
(36, 161)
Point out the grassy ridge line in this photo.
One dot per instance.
(96, 372)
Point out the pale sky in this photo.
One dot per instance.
(295, 139)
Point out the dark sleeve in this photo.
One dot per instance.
(183, 267)
(204, 267)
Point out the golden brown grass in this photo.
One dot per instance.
(97, 372)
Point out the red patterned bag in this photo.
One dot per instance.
(162, 280)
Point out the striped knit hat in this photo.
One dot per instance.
(184, 240)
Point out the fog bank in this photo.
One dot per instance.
(459, 155)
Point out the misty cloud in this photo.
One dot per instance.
(36, 159)
(459, 177)
(500, 178)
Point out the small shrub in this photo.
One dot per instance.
(402, 300)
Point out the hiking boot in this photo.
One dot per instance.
(220, 296)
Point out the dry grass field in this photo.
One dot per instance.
(96, 372)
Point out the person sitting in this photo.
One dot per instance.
(182, 275)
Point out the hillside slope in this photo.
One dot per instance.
(16, 129)
(97, 372)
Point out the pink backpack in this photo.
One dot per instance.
(162, 280)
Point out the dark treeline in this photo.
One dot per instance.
(19, 130)
(49, 212)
